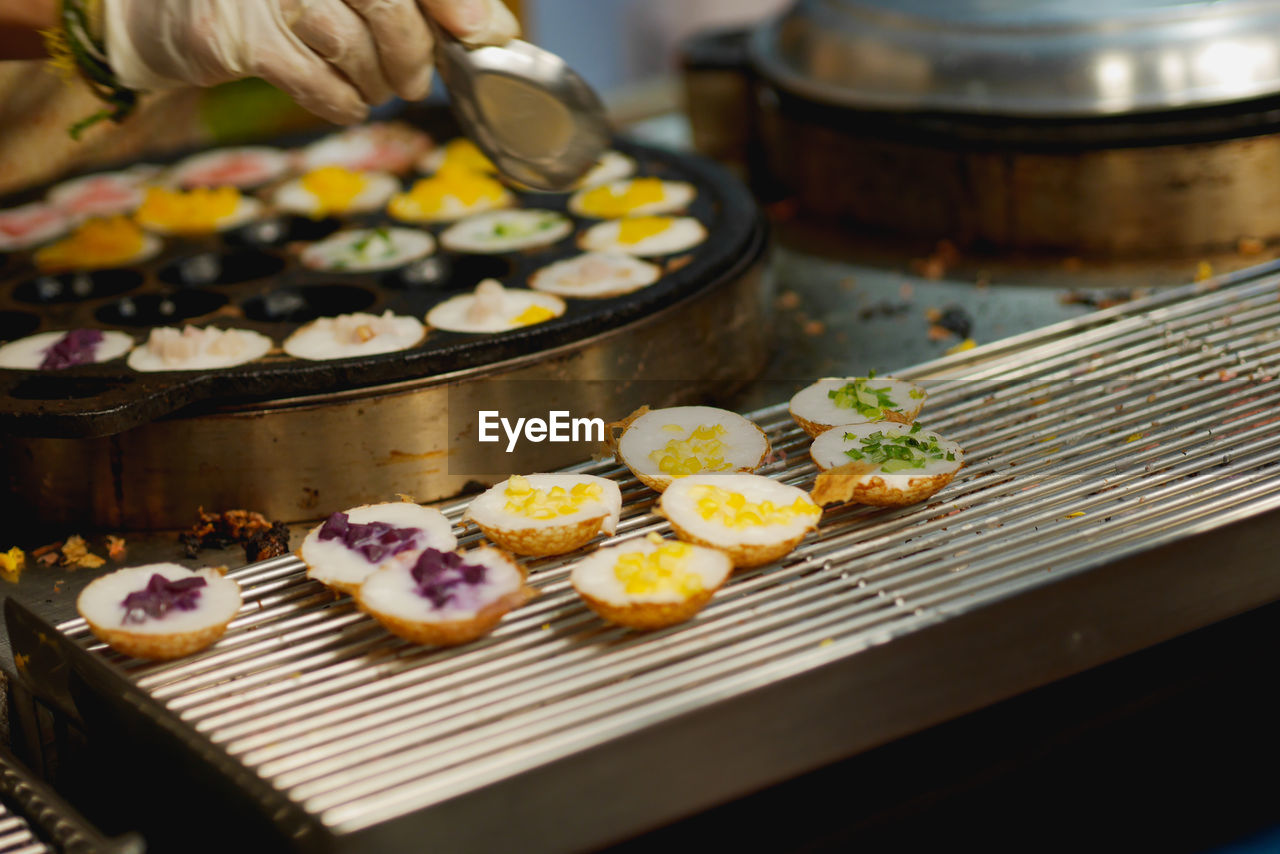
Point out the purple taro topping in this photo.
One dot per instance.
(160, 596)
(77, 347)
(439, 575)
(377, 541)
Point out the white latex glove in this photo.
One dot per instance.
(334, 57)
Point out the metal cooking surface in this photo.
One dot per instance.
(250, 277)
(1086, 441)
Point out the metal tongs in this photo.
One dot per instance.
(539, 122)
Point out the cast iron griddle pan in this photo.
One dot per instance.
(247, 278)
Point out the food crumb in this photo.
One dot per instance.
(827, 642)
(944, 256)
(788, 300)
(12, 563)
(76, 554)
(20, 660)
(406, 498)
(221, 530)
(1135, 437)
(966, 344)
(115, 547)
(273, 542)
(1250, 246)
(1204, 270)
(546, 627)
(1075, 515)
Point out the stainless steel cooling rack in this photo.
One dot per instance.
(1120, 469)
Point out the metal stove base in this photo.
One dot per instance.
(1122, 482)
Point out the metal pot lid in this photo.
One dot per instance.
(1024, 57)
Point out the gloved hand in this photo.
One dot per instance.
(334, 57)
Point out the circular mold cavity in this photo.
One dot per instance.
(280, 230)
(221, 268)
(17, 324)
(51, 387)
(470, 270)
(424, 274)
(76, 287)
(305, 304)
(160, 309)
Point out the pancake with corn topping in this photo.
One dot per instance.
(493, 308)
(650, 583)
(644, 236)
(632, 197)
(98, 244)
(753, 519)
(547, 514)
(335, 191)
(452, 193)
(195, 212)
(661, 445)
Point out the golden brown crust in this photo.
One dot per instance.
(853, 483)
(452, 632)
(548, 540)
(158, 647)
(745, 555)
(613, 430)
(647, 616)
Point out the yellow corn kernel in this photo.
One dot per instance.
(662, 570)
(733, 510)
(533, 503)
(533, 314)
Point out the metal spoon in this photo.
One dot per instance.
(536, 119)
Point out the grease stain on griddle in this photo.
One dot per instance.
(76, 287)
(160, 309)
(221, 268)
(306, 303)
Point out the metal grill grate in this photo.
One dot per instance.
(1084, 442)
(16, 836)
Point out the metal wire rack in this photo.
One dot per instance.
(1085, 442)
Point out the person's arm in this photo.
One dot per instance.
(334, 57)
(20, 24)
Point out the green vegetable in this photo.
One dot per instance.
(897, 453)
(860, 396)
(362, 245)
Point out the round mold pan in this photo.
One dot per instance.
(221, 268)
(76, 287)
(277, 231)
(150, 310)
(304, 303)
(173, 292)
